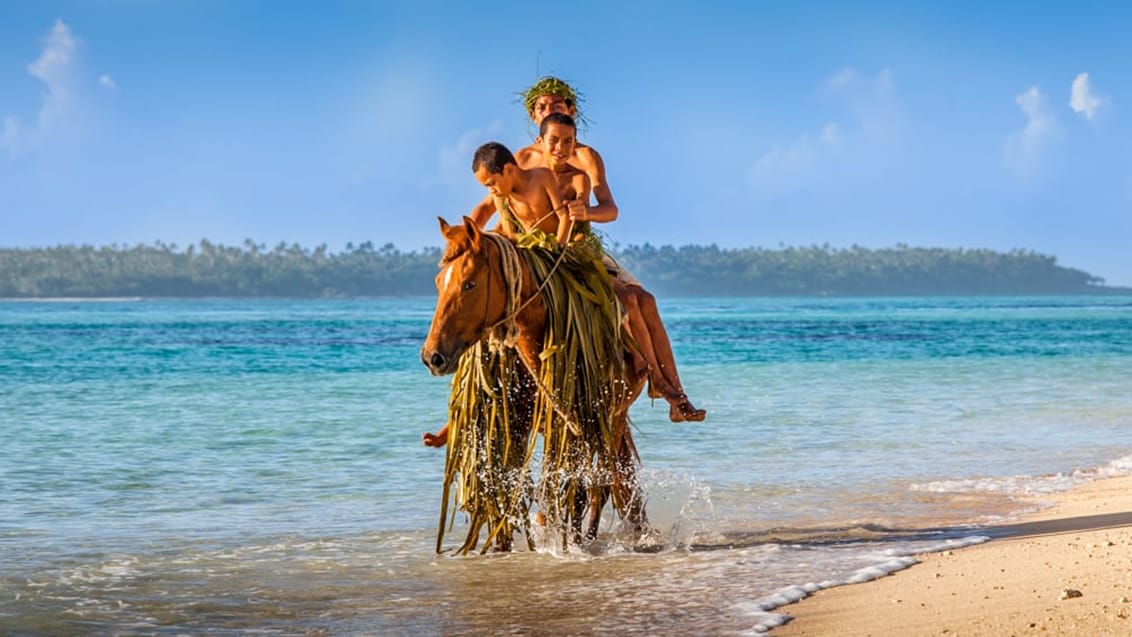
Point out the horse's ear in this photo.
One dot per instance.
(474, 232)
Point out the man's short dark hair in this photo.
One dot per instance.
(494, 156)
(556, 118)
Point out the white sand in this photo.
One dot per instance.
(1026, 584)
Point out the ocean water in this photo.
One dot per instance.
(255, 467)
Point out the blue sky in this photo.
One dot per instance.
(979, 125)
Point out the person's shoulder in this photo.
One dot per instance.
(528, 157)
(587, 155)
(586, 149)
(540, 173)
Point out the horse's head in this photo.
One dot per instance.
(471, 297)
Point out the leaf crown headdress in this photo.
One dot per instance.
(550, 85)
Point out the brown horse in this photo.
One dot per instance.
(475, 300)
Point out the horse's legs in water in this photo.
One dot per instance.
(576, 516)
(503, 543)
(597, 497)
(627, 493)
(586, 518)
(522, 399)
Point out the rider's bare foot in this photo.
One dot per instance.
(439, 439)
(681, 410)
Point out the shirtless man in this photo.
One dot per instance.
(530, 193)
(551, 95)
(556, 140)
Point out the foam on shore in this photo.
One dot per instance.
(761, 610)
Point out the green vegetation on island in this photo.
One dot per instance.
(290, 270)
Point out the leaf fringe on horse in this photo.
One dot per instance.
(486, 467)
(583, 366)
(495, 407)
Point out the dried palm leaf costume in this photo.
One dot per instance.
(486, 468)
(496, 406)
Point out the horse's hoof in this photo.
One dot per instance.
(649, 541)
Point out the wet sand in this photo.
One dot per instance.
(1066, 570)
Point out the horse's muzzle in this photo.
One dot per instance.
(439, 364)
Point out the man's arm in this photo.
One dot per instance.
(529, 157)
(578, 209)
(483, 211)
(606, 209)
(555, 195)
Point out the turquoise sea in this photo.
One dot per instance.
(232, 467)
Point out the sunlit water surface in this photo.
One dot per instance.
(255, 467)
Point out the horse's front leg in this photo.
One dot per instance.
(529, 350)
(577, 514)
(597, 496)
(627, 494)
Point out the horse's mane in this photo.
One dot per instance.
(460, 243)
(452, 251)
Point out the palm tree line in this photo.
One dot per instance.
(208, 269)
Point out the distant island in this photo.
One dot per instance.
(208, 269)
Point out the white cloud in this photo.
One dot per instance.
(787, 169)
(844, 77)
(872, 102)
(54, 64)
(1039, 123)
(784, 169)
(108, 82)
(454, 161)
(1081, 98)
(55, 68)
(871, 125)
(831, 134)
(1024, 149)
(848, 78)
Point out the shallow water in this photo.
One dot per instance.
(238, 467)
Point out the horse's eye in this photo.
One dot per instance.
(468, 285)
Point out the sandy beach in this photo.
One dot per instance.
(1066, 570)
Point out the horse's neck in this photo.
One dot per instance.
(531, 319)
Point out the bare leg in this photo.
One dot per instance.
(634, 325)
(439, 439)
(639, 330)
(663, 378)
